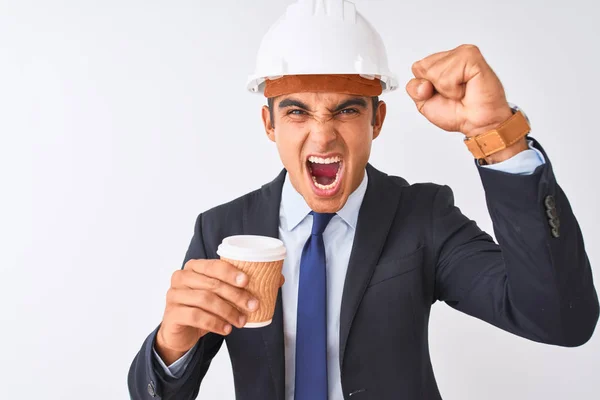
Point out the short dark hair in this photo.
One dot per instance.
(374, 101)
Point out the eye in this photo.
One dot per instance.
(349, 111)
(296, 112)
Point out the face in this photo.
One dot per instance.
(324, 141)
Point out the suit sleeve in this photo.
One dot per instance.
(147, 380)
(537, 283)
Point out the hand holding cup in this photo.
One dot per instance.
(215, 295)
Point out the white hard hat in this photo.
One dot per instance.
(321, 37)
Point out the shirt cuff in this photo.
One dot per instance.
(523, 163)
(176, 369)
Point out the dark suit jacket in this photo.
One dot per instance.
(412, 247)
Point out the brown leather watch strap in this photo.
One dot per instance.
(508, 133)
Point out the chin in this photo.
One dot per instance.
(326, 206)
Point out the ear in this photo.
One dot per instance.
(266, 118)
(379, 118)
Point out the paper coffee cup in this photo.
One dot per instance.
(261, 258)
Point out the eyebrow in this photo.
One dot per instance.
(355, 101)
(293, 103)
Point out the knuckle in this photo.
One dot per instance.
(242, 299)
(205, 297)
(180, 316)
(214, 324)
(234, 295)
(170, 314)
(417, 68)
(194, 265)
(238, 295)
(190, 264)
(234, 316)
(176, 278)
(470, 48)
(228, 312)
(445, 84)
(195, 316)
(207, 267)
(170, 296)
(212, 283)
(224, 266)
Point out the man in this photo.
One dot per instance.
(386, 250)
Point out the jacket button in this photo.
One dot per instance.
(549, 202)
(555, 223)
(555, 232)
(552, 213)
(151, 389)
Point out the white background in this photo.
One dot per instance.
(121, 120)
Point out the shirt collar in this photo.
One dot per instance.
(295, 209)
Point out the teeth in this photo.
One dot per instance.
(319, 160)
(326, 187)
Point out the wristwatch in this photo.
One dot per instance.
(508, 133)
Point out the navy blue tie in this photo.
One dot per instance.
(311, 323)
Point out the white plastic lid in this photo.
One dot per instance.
(252, 248)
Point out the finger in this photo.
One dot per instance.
(451, 73)
(442, 109)
(198, 318)
(448, 76)
(220, 270)
(423, 65)
(207, 301)
(282, 281)
(192, 280)
(419, 89)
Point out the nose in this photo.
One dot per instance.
(323, 134)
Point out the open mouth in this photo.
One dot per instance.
(325, 173)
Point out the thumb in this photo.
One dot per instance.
(419, 90)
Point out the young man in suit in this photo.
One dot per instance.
(386, 250)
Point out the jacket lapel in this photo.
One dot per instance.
(261, 217)
(374, 221)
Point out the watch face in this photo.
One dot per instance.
(515, 108)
